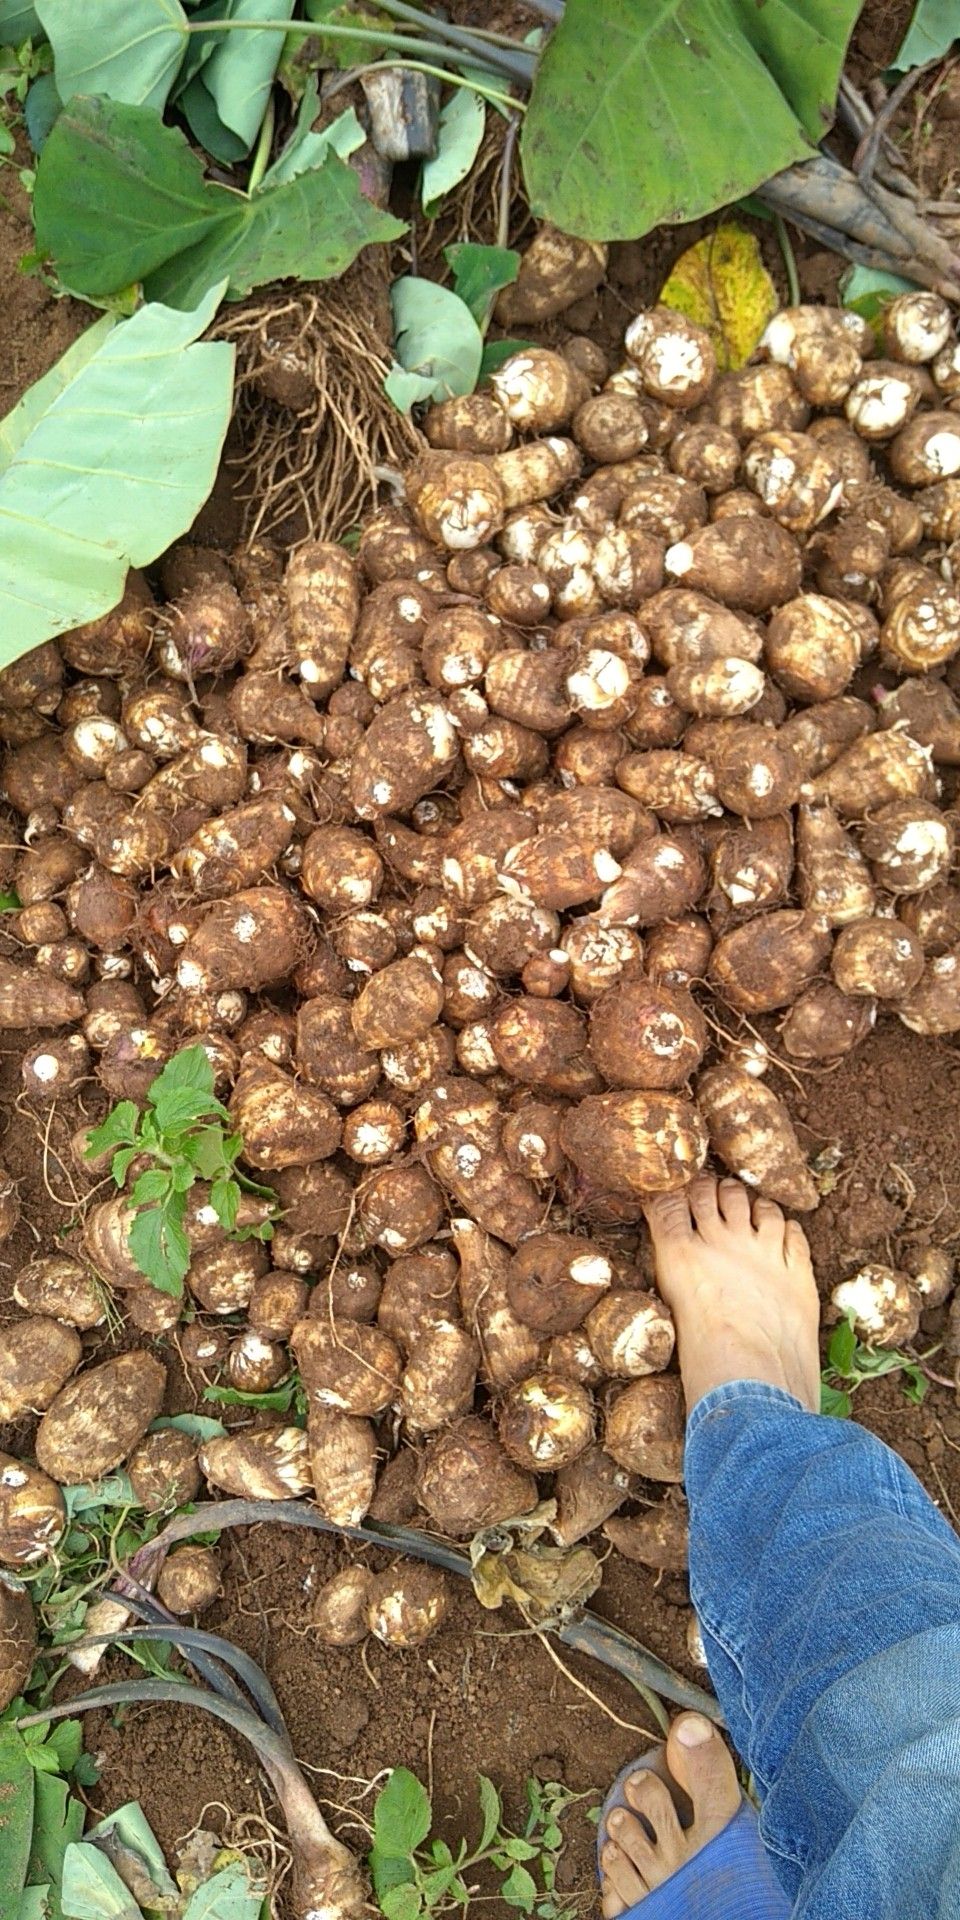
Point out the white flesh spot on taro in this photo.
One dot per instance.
(590, 1270)
(942, 452)
(214, 754)
(674, 361)
(246, 928)
(46, 1068)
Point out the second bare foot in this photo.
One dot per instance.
(739, 1281)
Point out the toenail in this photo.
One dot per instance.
(694, 1731)
(616, 1820)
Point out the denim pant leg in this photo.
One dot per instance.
(828, 1587)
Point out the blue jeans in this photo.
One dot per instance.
(828, 1589)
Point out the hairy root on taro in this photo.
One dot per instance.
(318, 435)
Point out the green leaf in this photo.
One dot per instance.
(189, 1070)
(122, 1162)
(114, 1490)
(459, 134)
(40, 109)
(118, 1129)
(132, 53)
(479, 273)
(402, 1815)
(401, 1902)
(226, 100)
(197, 1425)
(17, 1788)
(306, 149)
(519, 1889)
(152, 1185)
(276, 1400)
(58, 1821)
(160, 1246)
(436, 338)
(934, 27)
(129, 1828)
(495, 352)
(491, 1811)
(120, 197)
(92, 1888)
(842, 1347)
(105, 471)
(329, 52)
(227, 1895)
(517, 1849)
(225, 1201)
(643, 115)
(867, 291)
(832, 1401)
(18, 23)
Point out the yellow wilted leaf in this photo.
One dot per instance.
(723, 285)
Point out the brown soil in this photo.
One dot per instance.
(485, 1695)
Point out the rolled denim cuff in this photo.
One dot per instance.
(747, 1396)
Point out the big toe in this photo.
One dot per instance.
(702, 1765)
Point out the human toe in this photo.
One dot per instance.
(623, 1884)
(702, 1200)
(734, 1202)
(668, 1218)
(702, 1765)
(769, 1222)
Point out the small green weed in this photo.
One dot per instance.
(850, 1363)
(415, 1877)
(183, 1131)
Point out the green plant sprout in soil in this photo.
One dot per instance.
(415, 1876)
(182, 1134)
(850, 1363)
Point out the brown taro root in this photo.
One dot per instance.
(656, 1539)
(458, 1126)
(281, 1123)
(538, 389)
(456, 499)
(545, 1421)
(97, 1419)
(756, 399)
(373, 1132)
(29, 998)
(37, 1356)
(508, 1348)
(926, 450)
(419, 1294)
(234, 850)
(587, 1492)
(631, 1333)
(824, 1023)
(253, 940)
(542, 1043)
(557, 870)
(881, 959)
(928, 711)
(468, 423)
(118, 640)
(466, 1481)
(398, 1004)
(884, 1305)
(644, 1428)
(256, 1364)
(206, 632)
(678, 950)
(751, 867)
(328, 1054)
(675, 786)
(598, 956)
(921, 630)
(60, 1287)
(554, 1279)
(440, 1378)
(54, 1067)
(213, 774)
(343, 1464)
(833, 879)
(266, 710)
(163, 1470)
(794, 477)
(633, 1142)
(688, 629)
(459, 643)
(103, 908)
(18, 1638)
(725, 686)
(535, 471)
(32, 1513)
(322, 594)
(814, 646)
(409, 747)
(645, 1034)
(933, 1005)
(753, 1134)
(817, 736)
(127, 840)
(400, 1208)
(754, 775)
(767, 963)
(662, 877)
(189, 1580)
(873, 771)
(407, 1604)
(339, 1609)
(910, 846)
(272, 1463)
(505, 933)
(934, 917)
(341, 869)
(222, 1277)
(746, 562)
(346, 1366)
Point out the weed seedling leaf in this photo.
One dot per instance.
(490, 1809)
(402, 1814)
(479, 274)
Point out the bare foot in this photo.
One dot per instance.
(640, 1854)
(740, 1285)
